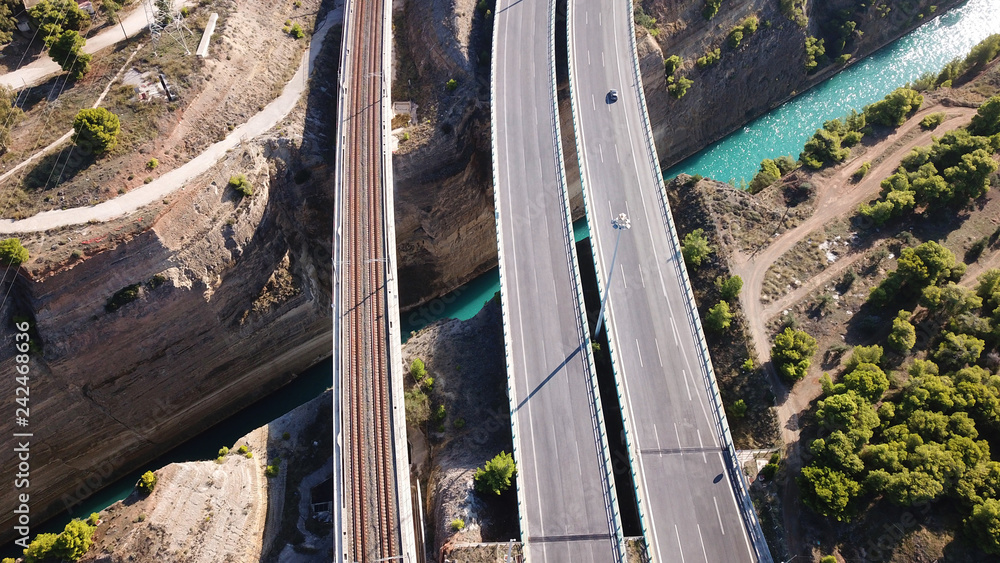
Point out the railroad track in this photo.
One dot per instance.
(373, 520)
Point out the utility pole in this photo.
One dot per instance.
(125, 33)
(620, 223)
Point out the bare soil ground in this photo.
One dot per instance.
(204, 511)
(249, 60)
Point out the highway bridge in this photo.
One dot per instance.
(693, 501)
(566, 493)
(373, 519)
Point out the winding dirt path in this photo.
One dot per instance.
(836, 196)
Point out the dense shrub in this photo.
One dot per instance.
(12, 253)
(66, 51)
(96, 130)
(792, 353)
(695, 248)
(494, 478)
(240, 183)
(815, 53)
(932, 120)
(146, 483)
(987, 119)
(895, 108)
(768, 174)
(680, 87)
(709, 59)
(711, 8)
(671, 64)
(123, 297)
(719, 318)
(451, 85)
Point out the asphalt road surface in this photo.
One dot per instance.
(568, 508)
(688, 502)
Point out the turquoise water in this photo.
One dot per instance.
(784, 130)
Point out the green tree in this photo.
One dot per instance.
(893, 110)
(680, 87)
(909, 487)
(970, 178)
(494, 478)
(40, 548)
(928, 264)
(96, 129)
(849, 412)
(10, 114)
(417, 369)
(768, 174)
(12, 253)
(735, 37)
(864, 355)
(957, 350)
(719, 318)
(828, 492)
(986, 122)
(868, 381)
(729, 287)
(792, 353)
(822, 148)
(147, 482)
(51, 17)
(815, 53)
(711, 8)
(904, 334)
(984, 525)
(74, 541)
(695, 248)
(671, 64)
(950, 299)
(982, 53)
(739, 408)
(7, 20)
(66, 50)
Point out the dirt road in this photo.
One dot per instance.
(836, 196)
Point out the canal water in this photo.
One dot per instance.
(784, 130)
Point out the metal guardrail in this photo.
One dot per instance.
(748, 513)
(596, 411)
(394, 368)
(504, 293)
(339, 516)
(627, 423)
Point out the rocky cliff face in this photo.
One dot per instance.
(232, 301)
(767, 68)
(445, 230)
